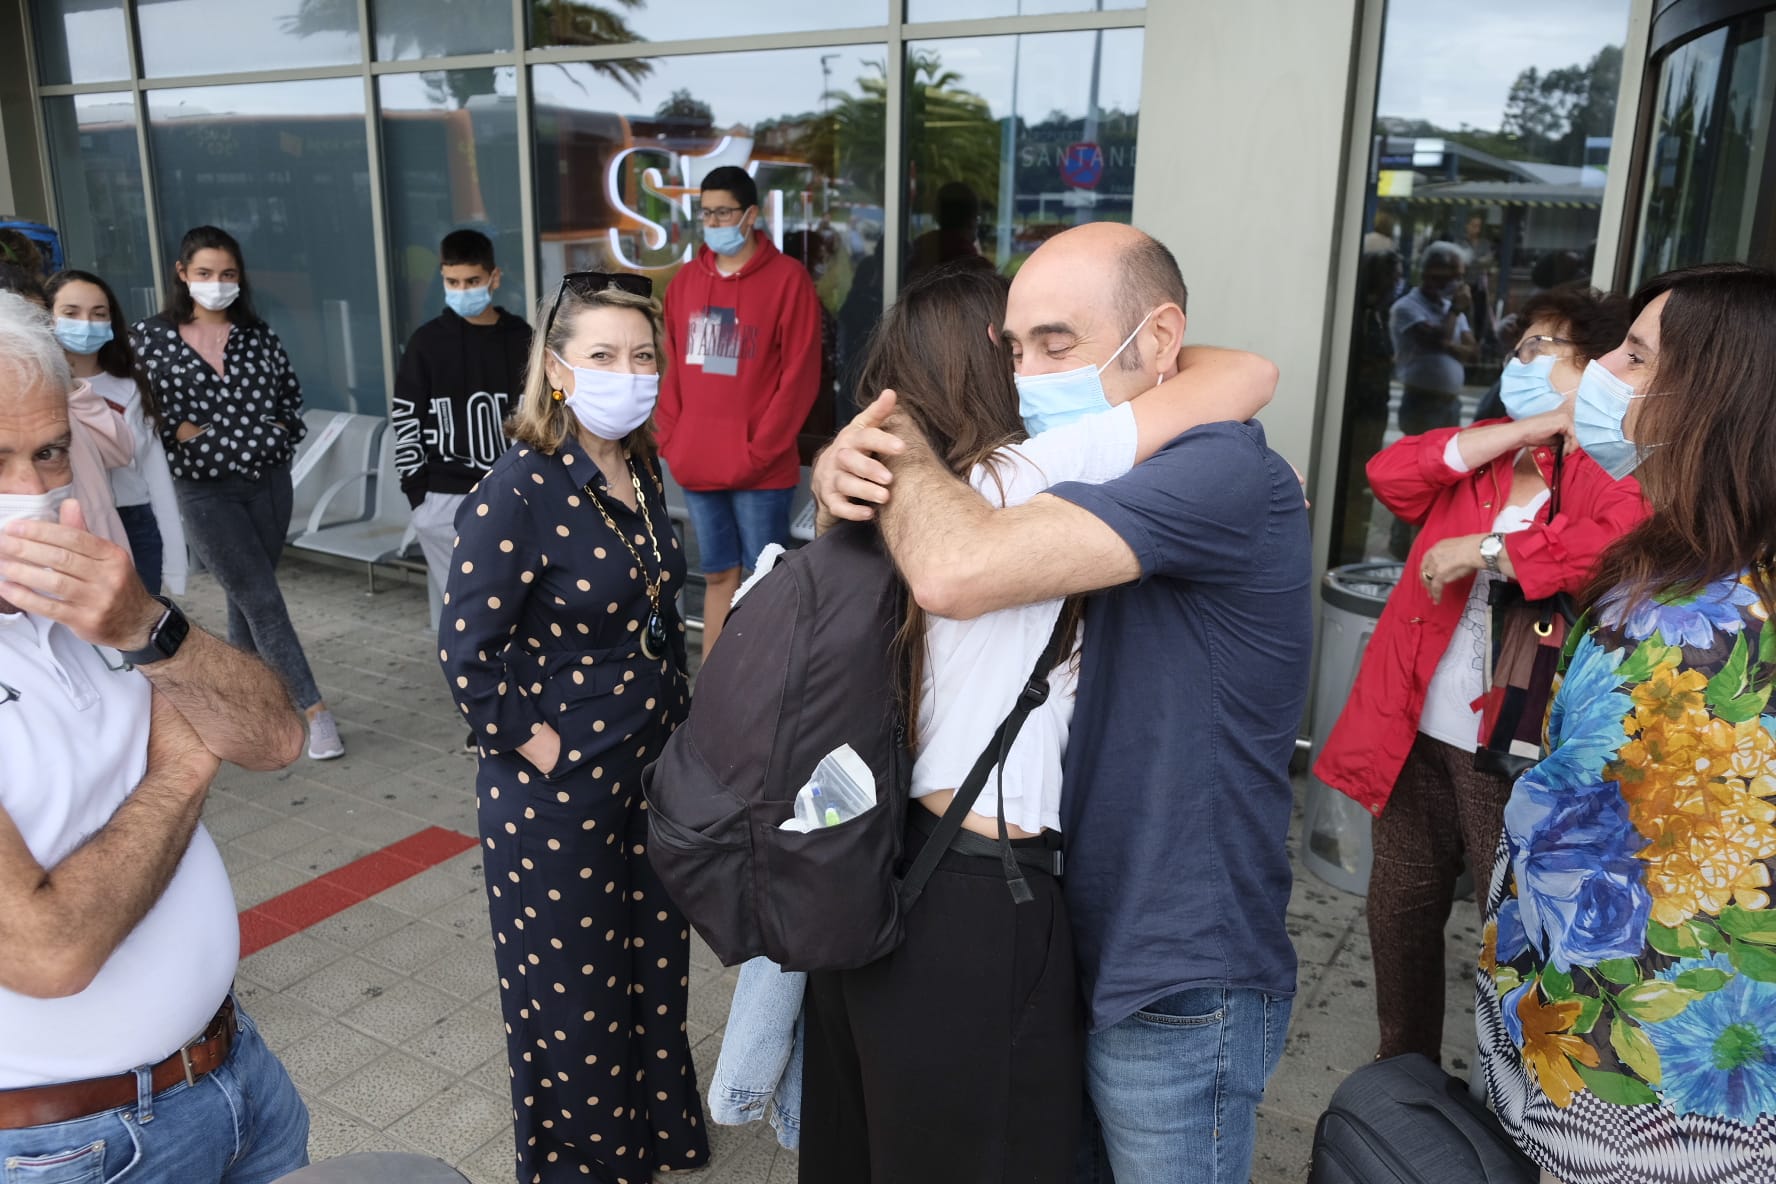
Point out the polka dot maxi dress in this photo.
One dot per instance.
(542, 623)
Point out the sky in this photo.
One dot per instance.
(1430, 69)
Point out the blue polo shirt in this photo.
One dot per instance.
(1177, 798)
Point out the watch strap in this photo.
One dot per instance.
(164, 639)
(1490, 554)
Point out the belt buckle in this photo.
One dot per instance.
(185, 1060)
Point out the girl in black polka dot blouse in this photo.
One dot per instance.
(231, 416)
(562, 645)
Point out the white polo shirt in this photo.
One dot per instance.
(73, 745)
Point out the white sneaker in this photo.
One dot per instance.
(323, 738)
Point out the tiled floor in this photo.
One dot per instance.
(386, 1013)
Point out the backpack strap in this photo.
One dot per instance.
(1034, 694)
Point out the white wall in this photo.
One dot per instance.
(1243, 136)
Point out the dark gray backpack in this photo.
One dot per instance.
(803, 666)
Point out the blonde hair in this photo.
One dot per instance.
(541, 420)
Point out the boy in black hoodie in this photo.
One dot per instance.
(461, 371)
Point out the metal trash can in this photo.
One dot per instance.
(1336, 829)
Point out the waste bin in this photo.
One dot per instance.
(1336, 848)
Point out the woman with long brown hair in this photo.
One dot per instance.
(1627, 987)
(959, 1056)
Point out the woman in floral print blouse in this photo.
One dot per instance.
(1627, 986)
(231, 415)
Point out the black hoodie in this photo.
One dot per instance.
(456, 385)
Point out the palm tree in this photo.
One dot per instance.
(414, 31)
(575, 22)
(950, 133)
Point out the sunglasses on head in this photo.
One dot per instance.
(590, 283)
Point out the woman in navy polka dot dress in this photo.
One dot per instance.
(562, 644)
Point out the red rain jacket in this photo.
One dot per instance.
(1363, 756)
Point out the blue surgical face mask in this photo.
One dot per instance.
(1598, 413)
(1528, 389)
(82, 337)
(468, 302)
(725, 240)
(1052, 400)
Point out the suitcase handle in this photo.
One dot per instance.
(1500, 1162)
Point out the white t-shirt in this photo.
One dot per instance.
(73, 745)
(1460, 677)
(1415, 365)
(975, 670)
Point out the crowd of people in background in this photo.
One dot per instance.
(1044, 459)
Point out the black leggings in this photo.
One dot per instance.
(958, 1058)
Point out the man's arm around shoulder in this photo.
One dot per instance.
(961, 558)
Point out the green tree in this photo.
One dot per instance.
(414, 31)
(1549, 116)
(950, 133)
(683, 105)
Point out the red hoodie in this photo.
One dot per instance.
(742, 371)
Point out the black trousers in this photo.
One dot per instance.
(957, 1059)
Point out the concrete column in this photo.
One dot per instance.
(1242, 143)
(23, 186)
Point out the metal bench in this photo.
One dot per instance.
(385, 535)
(330, 467)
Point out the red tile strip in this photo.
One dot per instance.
(337, 890)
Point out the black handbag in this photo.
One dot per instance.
(1524, 642)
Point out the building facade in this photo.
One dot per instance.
(1298, 155)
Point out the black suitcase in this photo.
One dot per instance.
(1405, 1121)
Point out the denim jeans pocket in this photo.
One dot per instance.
(85, 1151)
(1193, 1008)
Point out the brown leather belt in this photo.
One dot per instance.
(41, 1105)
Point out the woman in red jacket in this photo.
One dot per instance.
(1404, 745)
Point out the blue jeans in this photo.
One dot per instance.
(143, 531)
(242, 1124)
(237, 528)
(733, 526)
(1175, 1088)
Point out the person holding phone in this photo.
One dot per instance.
(231, 415)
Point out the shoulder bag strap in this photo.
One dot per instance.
(1035, 693)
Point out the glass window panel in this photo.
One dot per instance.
(580, 22)
(450, 152)
(80, 41)
(232, 36)
(1010, 140)
(969, 10)
(283, 167)
(1496, 143)
(1710, 172)
(98, 180)
(622, 146)
(407, 29)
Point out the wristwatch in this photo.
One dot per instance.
(168, 635)
(1491, 547)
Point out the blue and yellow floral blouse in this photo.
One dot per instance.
(1627, 986)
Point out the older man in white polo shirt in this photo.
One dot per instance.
(119, 1045)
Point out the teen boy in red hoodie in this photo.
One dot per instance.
(742, 373)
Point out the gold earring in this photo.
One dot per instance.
(557, 396)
